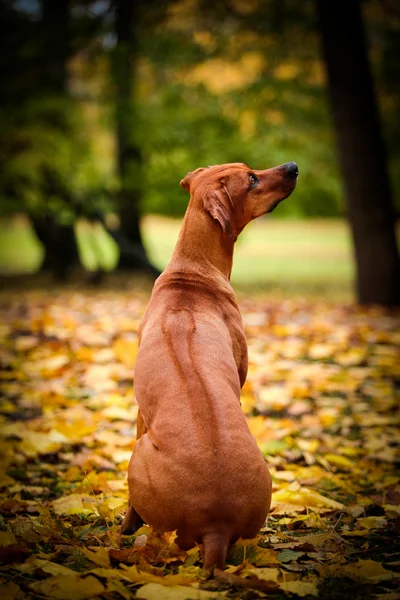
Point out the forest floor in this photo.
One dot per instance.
(320, 398)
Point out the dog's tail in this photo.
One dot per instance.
(215, 547)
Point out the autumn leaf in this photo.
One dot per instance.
(74, 504)
(300, 588)
(126, 351)
(68, 587)
(136, 576)
(303, 497)
(362, 570)
(98, 555)
(155, 591)
(320, 399)
(44, 566)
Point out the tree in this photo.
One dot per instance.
(53, 41)
(361, 151)
(48, 170)
(129, 158)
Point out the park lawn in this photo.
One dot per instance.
(289, 253)
(308, 255)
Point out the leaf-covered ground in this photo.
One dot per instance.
(320, 398)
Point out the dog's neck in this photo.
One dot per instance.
(202, 243)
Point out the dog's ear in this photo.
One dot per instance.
(185, 182)
(214, 204)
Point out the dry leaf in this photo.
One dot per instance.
(156, 591)
(68, 587)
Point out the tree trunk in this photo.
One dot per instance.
(128, 152)
(361, 151)
(61, 252)
(56, 45)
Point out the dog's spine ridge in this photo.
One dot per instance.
(215, 547)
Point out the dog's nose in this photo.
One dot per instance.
(291, 169)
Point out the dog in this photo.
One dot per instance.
(195, 467)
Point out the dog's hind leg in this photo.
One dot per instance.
(215, 547)
(132, 521)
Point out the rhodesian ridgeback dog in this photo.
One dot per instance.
(195, 467)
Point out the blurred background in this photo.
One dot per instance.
(107, 104)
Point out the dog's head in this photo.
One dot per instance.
(234, 194)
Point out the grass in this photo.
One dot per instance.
(305, 256)
(313, 256)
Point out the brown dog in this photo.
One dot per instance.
(195, 467)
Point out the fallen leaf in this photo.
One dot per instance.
(372, 522)
(362, 570)
(288, 555)
(300, 588)
(126, 351)
(98, 555)
(7, 538)
(156, 591)
(68, 587)
(142, 577)
(45, 566)
(74, 504)
(303, 497)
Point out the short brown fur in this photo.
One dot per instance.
(195, 467)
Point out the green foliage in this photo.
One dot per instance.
(47, 162)
(212, 83)
(224, 87)
(187, 128)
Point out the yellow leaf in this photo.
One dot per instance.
(121, 456)
(257, 425)
(286, 71)
(112, 438)
(142, 577)
(354, 356)
(321, 351)
(308, 445)
(47, 566)
(221, 76)
(350, 451)
(5, 480)
(392, 509)
(126, 351)
(98, 555)
(273, 397)
(300, 588)
(75, 504)
(303, 497)
(68, 587)
(362, 570)
(84, 354)
(10, 591)
(264, 573)
(250, 551)
(35, 443)
(340, 461)
(117, 413)
(155, 591)
(115, 504)
(117, 588)
(356, 533)
(7, 538)
(108, 573)
(372, 522)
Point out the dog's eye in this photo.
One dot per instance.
(253, 180)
